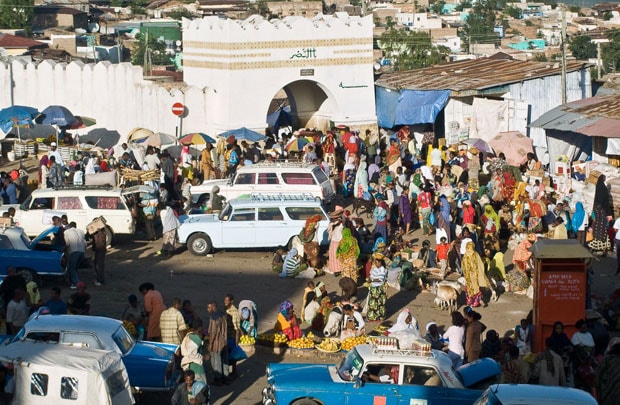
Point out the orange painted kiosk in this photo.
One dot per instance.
(559, 287)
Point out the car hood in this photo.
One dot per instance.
(153, 350)
(42, 236)
(301, 375)
(479, 370)
(198, 218)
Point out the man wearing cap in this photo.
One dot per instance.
(54, 152)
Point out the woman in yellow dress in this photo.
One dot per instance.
(475, 277)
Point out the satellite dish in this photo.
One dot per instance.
(93, 27)
(117, 10)
(178, 43)
(377, 67)
(80, 31)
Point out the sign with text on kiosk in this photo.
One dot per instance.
(178, 109)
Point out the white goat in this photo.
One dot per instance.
(447, 294)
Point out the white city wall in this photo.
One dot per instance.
(231, 91)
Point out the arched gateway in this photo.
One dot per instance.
(324, 65)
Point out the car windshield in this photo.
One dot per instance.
(123, 339)
(350, 366)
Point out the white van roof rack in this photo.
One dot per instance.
(281, 163)
(390, 346)
(282, 197)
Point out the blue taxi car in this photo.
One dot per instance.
(151, 366)
(517, 394)
(367, 375)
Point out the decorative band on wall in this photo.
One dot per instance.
(277, 44)
(227, 55)
(340, 51)
(276, 64)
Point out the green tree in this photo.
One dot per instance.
(582, 47)
(480, 24)
(139, 6)
(574, 9)
(16, 14)
(410, 50)
(611, 51)
(607, 15)
(514, 12)
(463, 5)
(437, 7)
(541, 57)
(180, 12)
(149, 51)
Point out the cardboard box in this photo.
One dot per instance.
(97, 224)
(6, 222)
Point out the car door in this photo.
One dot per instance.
(373, 392)
(273, 228)
(75, 209)
(243, 183)
(240, 229)
(423, 385)
(36, 214)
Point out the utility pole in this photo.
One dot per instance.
(564, 56)
(598, 60)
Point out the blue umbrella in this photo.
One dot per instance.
(16, 116)
(244, 134)
(57, 115)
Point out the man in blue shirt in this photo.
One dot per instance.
(55, 304)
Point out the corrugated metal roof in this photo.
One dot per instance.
(471, 77)
(594, 116)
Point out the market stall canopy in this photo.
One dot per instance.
(244, 133)
(17, 116)
(102, 137)
(33, 133)
(409, 107)
(280, 118)
(197, 138)
(514, 145)
(57, 115)
(139, 133)
(158, 139)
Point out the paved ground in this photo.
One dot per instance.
(247, 275)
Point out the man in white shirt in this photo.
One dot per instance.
(151, 159)
(16, 312)
(436, 157)
(54, 152)
(75, 240)
(352, 321)
(582, 336)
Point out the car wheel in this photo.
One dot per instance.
(199, 244)
(108, 236)
(305, 401)
(28, 274)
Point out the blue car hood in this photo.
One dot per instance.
(301, 375)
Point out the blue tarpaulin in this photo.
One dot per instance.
(409, 107)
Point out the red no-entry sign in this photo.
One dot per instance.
(178, 109)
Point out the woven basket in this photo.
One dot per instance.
(141, 175)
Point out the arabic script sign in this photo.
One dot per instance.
(305, 53)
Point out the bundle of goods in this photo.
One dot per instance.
(350, 342)
(328, 346)
(140, 175)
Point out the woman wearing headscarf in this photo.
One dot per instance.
(404, 208)
(393, 155)
(287, 322)
(425, 205)
(377, 292)
(347, 253)
(348, 177)
(443, 219)
(475, 277)
(404, 322)
(249, 318)
(473, 332)
(489, 221)
(310, 239)
(579, 221)
(601, 216)
(44, 171)
(334, 230)
(170, 224)
(361, 180)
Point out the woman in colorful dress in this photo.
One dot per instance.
(475, 277)
(361, 180)
(347, 253)
(334, 230)
(309, 238)
(377, 292)
(348, 177)
(489, 221)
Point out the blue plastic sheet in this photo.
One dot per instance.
(409, 107)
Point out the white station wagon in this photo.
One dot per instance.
(255, 221)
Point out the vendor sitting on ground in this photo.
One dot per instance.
(352, 323)
(292, 264)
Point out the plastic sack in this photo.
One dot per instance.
(235, 352)
(431, 218)
(406, 338)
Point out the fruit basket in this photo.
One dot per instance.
(272, 340)
(350, 342)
